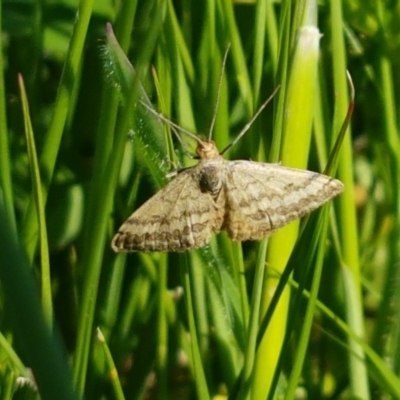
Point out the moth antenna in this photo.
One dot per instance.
(172, 124)
(248, 125)
(218, 93)
(183, 145)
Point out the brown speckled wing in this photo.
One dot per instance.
(261, 198)
(177, 218)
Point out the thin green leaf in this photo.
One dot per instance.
(37, 189)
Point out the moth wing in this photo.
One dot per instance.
(177, 218)
(261, 198)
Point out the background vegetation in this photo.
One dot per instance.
(78, 154)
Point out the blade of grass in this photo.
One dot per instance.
(221, 304)
(208, 46)
(174, 47)
(389, 306)
(387, 378)
(282, 80)
(240, 279)
(304, 339)
(162, 329)
(250, 353)
(265, 30)
(112, 370)
(258, 55)
(295, 149)
(239, 60)
(46, 294)
(347, 213)
(139, 297)
(5, 165)
(198, 372)
(14, 361)
(92, 256)
(43, 348)
(199, 302)
(62, 110)
(8, 386)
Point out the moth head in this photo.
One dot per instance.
(206, 150)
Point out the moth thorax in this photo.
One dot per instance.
(210, 180)
(207, 150)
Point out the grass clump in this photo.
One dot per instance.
(313, 309)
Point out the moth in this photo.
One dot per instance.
(249, 200)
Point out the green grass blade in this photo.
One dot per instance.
(221, 298)
(111, 368)
(250, 353)
(258, 57)
(386, 81)
(13, 359)
(241, 71)
(37, 189)
(162, 329)
(304, 338)
(61, 111)
(5, 161)
(381, 372)
(295, 149)
(102, 154)
(347, 212)
(43, 348)
(93, 252)
(201, 383)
